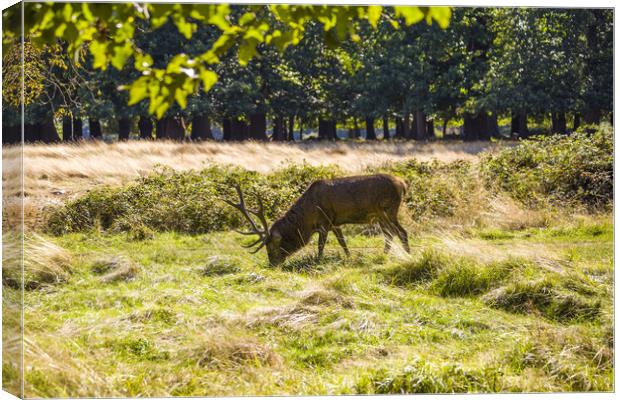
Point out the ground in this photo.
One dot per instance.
(521, 302)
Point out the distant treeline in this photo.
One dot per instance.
(523, 64)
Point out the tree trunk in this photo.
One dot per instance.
(519, 124)
(278, 129)
(444, 128)
(124, 128)
(576, 121)
(239, 129)
(226, 129)
(592, 117)
(399, 128)
(145, 126)
(258, 126)
(406, 127)
(430, 129)
(356, 129)
(558, 122)
(11, 134)
(370, 129)
(291, 126)
(327, 129)
(77, 128)
(201, 128)
(47, 131)
(386, 128)
(170, 128)
(493, 125)
(67, 129)
(420, 129)
(95, 128)
(470, 131)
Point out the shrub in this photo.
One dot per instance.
(190, 201)
(558, 169)
(435, 189)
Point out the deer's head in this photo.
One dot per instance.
(269, 238)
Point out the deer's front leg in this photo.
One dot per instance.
(322, 240)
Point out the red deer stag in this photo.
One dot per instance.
(325, 206)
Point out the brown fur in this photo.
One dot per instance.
(328, 204)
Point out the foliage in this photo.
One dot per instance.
(559, 169)
(108, 31)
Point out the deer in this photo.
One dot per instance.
(325, 206)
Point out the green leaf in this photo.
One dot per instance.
(208, 78)
(412, 15)
(121, 54)
(138, 90)
(374, 13)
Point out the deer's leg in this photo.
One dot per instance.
(387, 232)
(322, 240)
(338, 232)
(402, 235)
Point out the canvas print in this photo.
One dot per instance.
(213, 199)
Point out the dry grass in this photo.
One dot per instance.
(53, 173)
(44, 261)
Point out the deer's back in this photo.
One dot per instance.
(356, 199)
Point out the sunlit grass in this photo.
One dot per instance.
(203, 317)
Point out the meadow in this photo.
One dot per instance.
(136, 284)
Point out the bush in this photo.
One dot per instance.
(190, 201)
(557, 169)
(435, 189)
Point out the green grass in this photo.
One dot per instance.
(202, 317)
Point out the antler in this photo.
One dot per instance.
(260, 213)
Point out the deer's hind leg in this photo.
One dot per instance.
(402, 234)
(338, 232)
(387, 232)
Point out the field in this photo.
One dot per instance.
(497, 295)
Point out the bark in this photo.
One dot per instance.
(327, 129)
(386, 128)
(279, 133)
(576, 121)
(67, 129)
(356, 129)
(31, 133)
(399, 128)
(370, 129)
(47, 131)
(258, 126)
(519, 124)
(201, 128)
(351, 133)
(558, 122)
(291, 127)
(480, 126)
(406, 127)
(77, 128)
(145, 126)
(239, 129)
(444, 128)
(124, 128)
(95, 128)
(170, 128)
(430, 129)
(494, 125)
(420, 129)
(592, 117)
(226, 129)
(11, 134)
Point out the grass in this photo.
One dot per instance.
(202, 317)
(143, 291)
